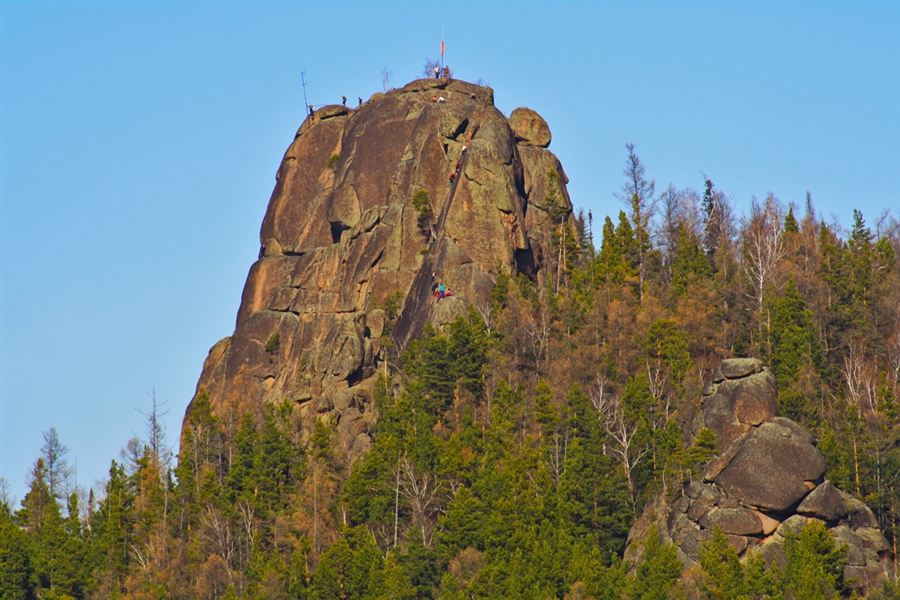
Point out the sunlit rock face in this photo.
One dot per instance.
(350, 246)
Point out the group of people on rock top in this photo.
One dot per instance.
(437, 71)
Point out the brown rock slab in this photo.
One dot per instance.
(693, 489)
(770, 469)
(718, 464)
(734, 521)
(874, 539)
(756, 400)
(735, 406)
(530, 128)
(792, 524)
(696, 511)
(859, 513)
(769, 524)
(735, 368)
(738, 542)
(824, 502)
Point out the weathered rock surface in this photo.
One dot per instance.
(341, 238)
(770, 469)
(529, 127)
(740, 396)
(767, 483)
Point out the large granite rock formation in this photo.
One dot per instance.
(768, 479)
(342, 236)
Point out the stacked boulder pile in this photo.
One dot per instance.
(768, 480)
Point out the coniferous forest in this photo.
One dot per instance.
(515, 448)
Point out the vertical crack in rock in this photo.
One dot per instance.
(341, 237)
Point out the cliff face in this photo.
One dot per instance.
(768, 480)
(348, 229)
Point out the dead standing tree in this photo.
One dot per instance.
(626, 445)
(637, 194)
(421, 491)
(763, 248)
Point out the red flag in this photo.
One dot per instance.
(442, 47)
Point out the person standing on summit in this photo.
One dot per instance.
(437, 71)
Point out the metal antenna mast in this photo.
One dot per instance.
(303, 81)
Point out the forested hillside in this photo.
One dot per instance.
(515, 448)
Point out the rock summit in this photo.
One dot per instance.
(364, 219)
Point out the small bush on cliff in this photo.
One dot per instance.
(333, 161)
(274, 343)
(422, 203)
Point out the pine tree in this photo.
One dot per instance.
(689, 262)
(724, 574)
(657, 570)
(795, 351)
(637, 194)
(41, 519)
(544, 413)
(16, 572)
(814, 567)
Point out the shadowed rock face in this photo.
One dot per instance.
(341, 235)
(768, 480)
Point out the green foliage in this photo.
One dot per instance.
(16, 571)
(814, 567)
(657, 571)
(724, 574)
(689, 262)
(273, 343)
(666, 347)
(333, 161)
(701, 451)
(553, 202)
(422, 203)
(500, 291)
(794, 339)
(498, 466)
(544, 412)
(790, 223)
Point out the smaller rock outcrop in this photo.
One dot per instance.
(768, 481)
(529, 128)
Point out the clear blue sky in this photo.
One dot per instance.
(140, 142)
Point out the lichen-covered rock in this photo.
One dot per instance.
(771, 467)
(737, 368)
(735, 521)
(824, 503)
(766, 485)
(530, 128)
(341, 240)
(742, 395)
